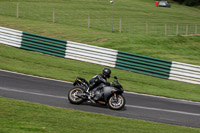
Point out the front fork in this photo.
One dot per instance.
(88, 90)
(115, 97)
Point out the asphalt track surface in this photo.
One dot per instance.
(138, 106)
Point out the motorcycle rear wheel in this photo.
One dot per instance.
(116, 102)
(72, 95)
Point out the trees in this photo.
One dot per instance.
(192, 2)
(180, 1)
(189, 2)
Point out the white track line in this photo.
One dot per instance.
(33, 93)
(164, 110)
(132, 106)
(166, 98)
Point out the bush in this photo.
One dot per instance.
(189, 2)
(192, 2)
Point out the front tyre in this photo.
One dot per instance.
(116, 102)
(72, 95)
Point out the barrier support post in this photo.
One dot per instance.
(17, 10)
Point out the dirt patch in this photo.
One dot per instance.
(187, 35)
(192, 35)
(101, 40)
(98, 40)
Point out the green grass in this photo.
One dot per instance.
(21, 117)
(134, 14)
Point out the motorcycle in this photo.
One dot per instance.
(108, 95)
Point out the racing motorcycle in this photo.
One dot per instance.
(108, 95)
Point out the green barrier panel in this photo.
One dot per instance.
(143, 72)
(142, 63)
(44, 37)
(49, 47)
(119, 62)
(144, 58)
(143, 69)
(44, 43)
(43, 50)
(45, 40)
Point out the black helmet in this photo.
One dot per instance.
(107, 72)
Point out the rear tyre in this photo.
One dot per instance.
(72, 95)
(116, 103)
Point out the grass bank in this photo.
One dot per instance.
(19, 116)
(173, 48)
(102, 15)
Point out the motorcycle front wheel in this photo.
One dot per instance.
(72, 95)
(116, 102)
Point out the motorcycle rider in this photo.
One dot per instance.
(98, 81)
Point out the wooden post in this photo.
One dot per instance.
(146, 28)
(88, 20)
(53, 16)
(195, 29)
(120, 25)
(177, 29)
(165, 29)
(112, 16)
(17, 10)
(186, 29)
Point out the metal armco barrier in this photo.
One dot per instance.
(185, 72)
(10, 37)
(143, 64)
(103, 56)
(92, 54)
(43, 44)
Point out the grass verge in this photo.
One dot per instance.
(173, 48)
(102, 14)
(19, 117)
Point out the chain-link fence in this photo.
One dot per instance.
(95, 20)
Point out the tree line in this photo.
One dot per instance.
(189, 2)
